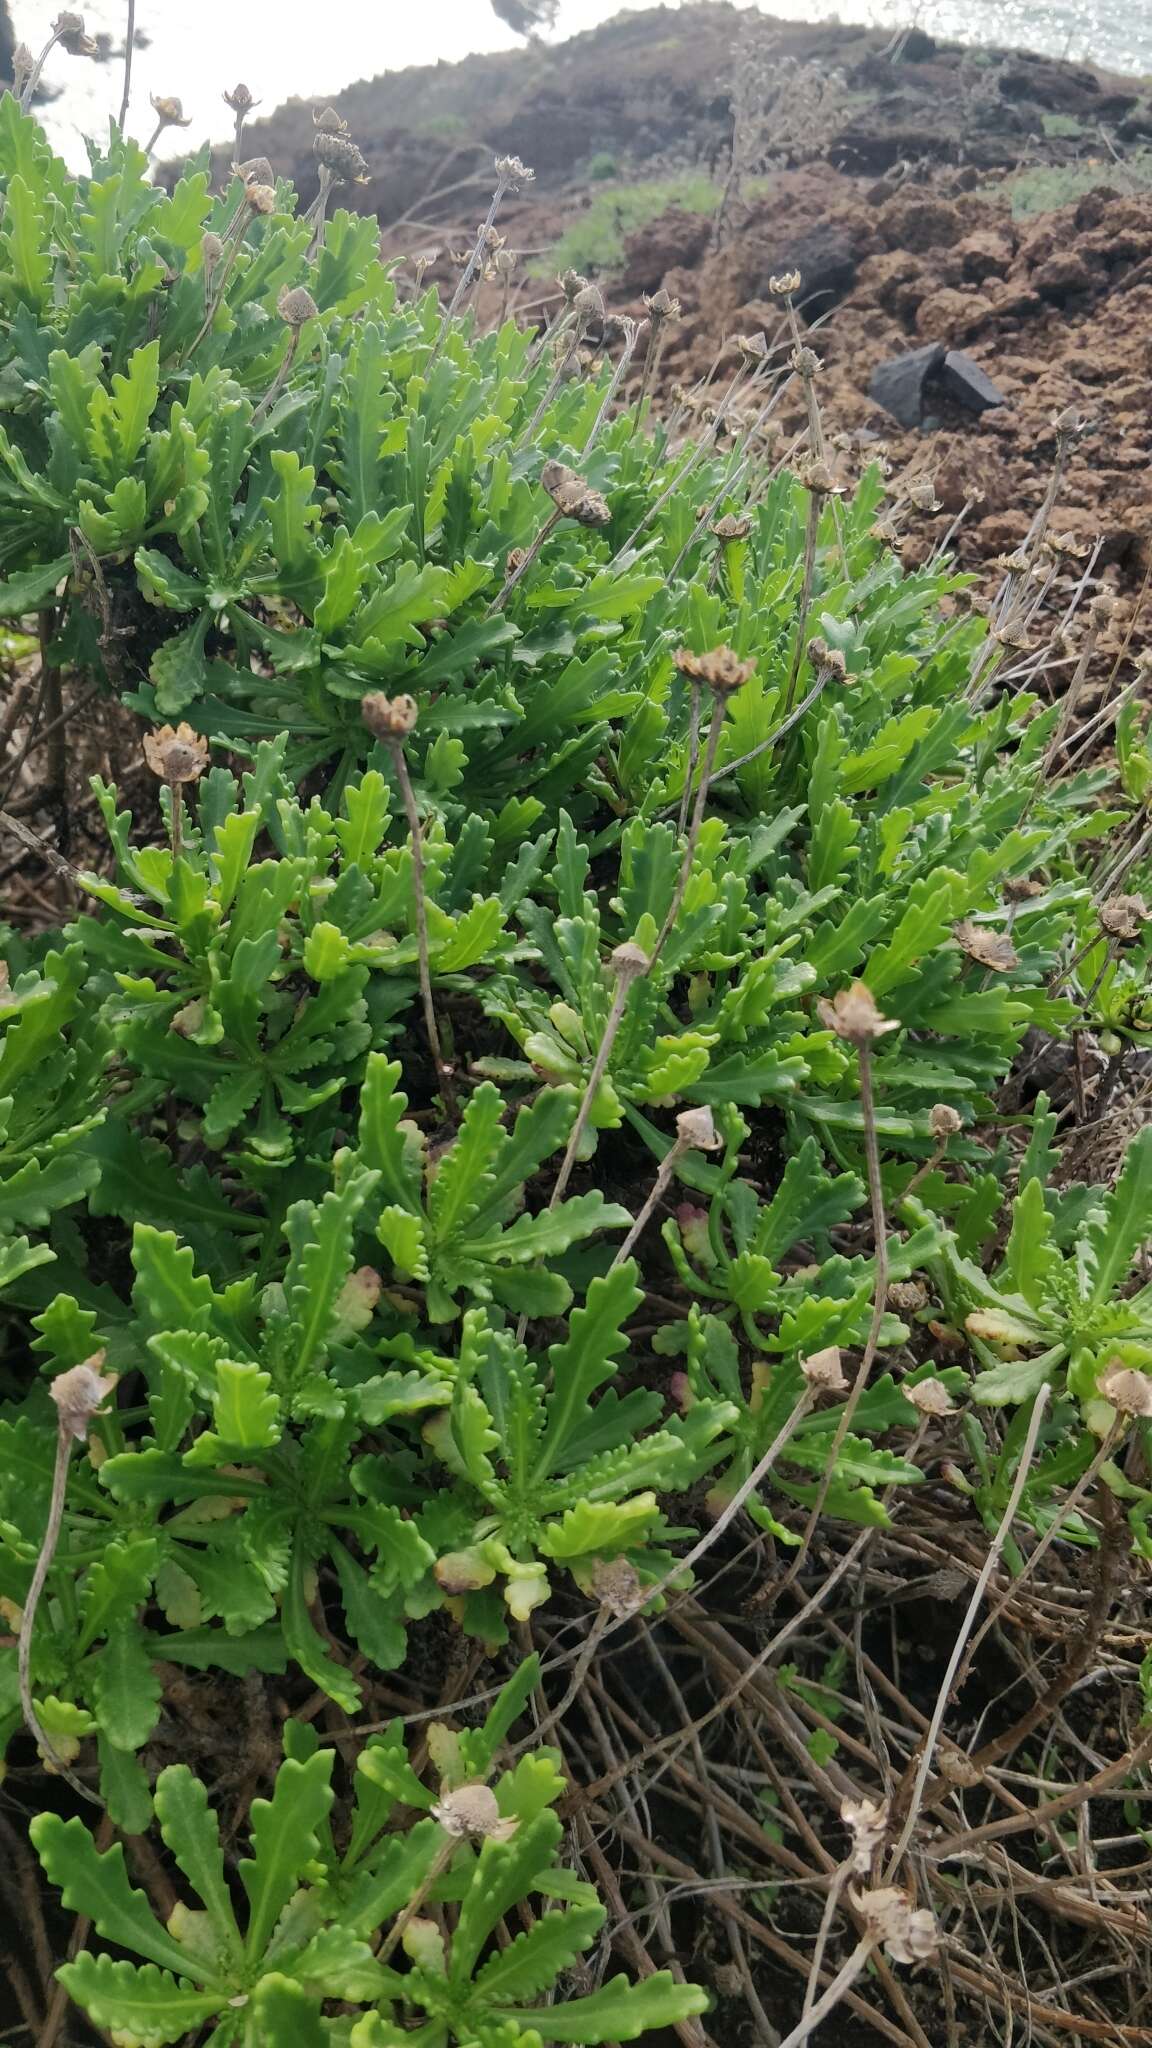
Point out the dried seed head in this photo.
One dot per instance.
(1069, 423)
(256, 171)
(78, 1394)
(921, 492)
(329, 122)
(733, 526)
(572, 496)
(617, 1586)
(389, 718)
(720, 668)
(1102, 608)
(211, 250)
(23, 65)
(907, 1935)
(944, 1121)
(262, 198)
(1068, 544)
(853, 1015)
(824, 1372)
(69, 32)
(588, 305)
(504, 263)
(629, 961)
(1129, 1392)
(956, 1767)
(786, 285)
(990, 949)
(176, 753)
(515, 559)
(822, 656)
(695, 1127)
(170, 111)
(240, 100)
(753, 348)
(907, 1296)
(296, 305)
(661, 306)
(929, 1397)
(805, 362)
(816, 476)
(471, 1813)
(341, 156)
(571, 282)
(1124, 917)
(867, 1823)
(511, 173)
(1018, 889)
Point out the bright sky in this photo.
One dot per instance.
(280, 48)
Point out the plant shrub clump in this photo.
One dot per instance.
(523, 1081)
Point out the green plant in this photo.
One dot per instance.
(596, 240)
(318, 1923)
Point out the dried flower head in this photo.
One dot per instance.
(1069, 423)
(695, 1127)
(176, 753)
(1069, 545)
(1124, 917)
(588, 305)
(786, 285)
(69, 32)
(989, 949)
(329, 122)
(853, 1014)
(389, 718)
(661, 306)
(240, 100)
(471, 1813)
(296, 305)
(629, 960)
(753, 348)
(78, 1394)
(572, 496)
(867, 1822)
(929, 1397)
(1102, 608)
(262, 198)
(732, 526)
(721, 669)
(169, 111)
(907, 1296)
(571, 282)
(822, 656)
(23, 65)
(1020, 888)
(341, 156)
(1129, 1392)
(211, 249)
(816, 476)
(906, 1934)
(511, 173)
(617, 1586)
(944, 1121)
(921, 492)
(824, 1372)
(256, 170)
(805, 362)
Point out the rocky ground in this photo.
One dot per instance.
(903, 218)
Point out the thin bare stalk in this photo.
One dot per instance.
(693, 754)
(811, 535)
(995, 1551)
(33, 78)
(524, 563)
(176, 796)
(779, 732)
(279, 380)
(682, 879)
(403, 1920)
(129, 46)
(431, 1026)
(631, 330)
(630, 964)
(64, 1438)
(1074, 691)
(579, 330)
(652, 354)
(830, 1998)
(879, 1305)
(664, 1172)
(505, 179)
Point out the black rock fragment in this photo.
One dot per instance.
(898, 385)
(967, 383)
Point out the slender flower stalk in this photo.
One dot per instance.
(572, 498)
(67, 30)
(392, 719)
(296, 307)
(661, 309)
(177, 754)
(129, 49)
(724, 674)
(510, 175)
(587, 308)
(631, 331)
(629, 963)
(241, 102)
(695, 1131)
